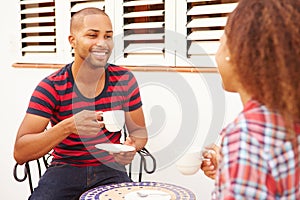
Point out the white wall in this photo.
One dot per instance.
(172, 101)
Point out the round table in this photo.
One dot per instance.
(118, 191)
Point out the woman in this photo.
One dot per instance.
(259, 58)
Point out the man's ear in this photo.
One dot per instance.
(72, 41)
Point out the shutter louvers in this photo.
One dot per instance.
(205, 25)
(77, 5)
(143, 28)
(38, 26)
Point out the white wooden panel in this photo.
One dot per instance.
(44, 48)
(203, 60)
(212, 9)
(142, 2)
(207, 22)
(144, 48)
(204, 48)
(144, 14)
(24, 2)
(80, 6)
(39, 29)
(206, 35)
(191, 1)
(37, 20)
(144, 25)
(157, 36)
(78, 0)
(39, 39)
(38, 10)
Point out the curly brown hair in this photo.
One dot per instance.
(263, 37)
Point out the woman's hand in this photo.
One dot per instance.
(210, 161)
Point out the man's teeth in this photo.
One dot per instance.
(100, 53)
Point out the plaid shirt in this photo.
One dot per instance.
(257, 162)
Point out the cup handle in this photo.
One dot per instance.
(100, 113)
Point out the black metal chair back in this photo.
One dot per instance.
(46, 160)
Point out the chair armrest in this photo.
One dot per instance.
(144, 153)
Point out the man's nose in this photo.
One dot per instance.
(101, 42)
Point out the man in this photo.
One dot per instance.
(70, 99)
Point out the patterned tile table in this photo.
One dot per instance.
(118, 191)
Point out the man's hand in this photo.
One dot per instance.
(86, 123)
(125, 158)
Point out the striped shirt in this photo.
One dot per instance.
(257, 162)
(56, 97)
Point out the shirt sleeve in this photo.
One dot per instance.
(43, 99)
(243, 169)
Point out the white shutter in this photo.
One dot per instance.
(204, 26)
(146, 32)
(77, 5)
(37, 26)
(140, 35)
(45, 29)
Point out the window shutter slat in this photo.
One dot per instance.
(205, 35)
(25, 2)
(78, 0)
(207, 22)
(212, 9)
(44, 48)
(39, 39)
(144, 14)
(141, 3)
(38, 20)
(203, 48)
(144, 37)
(45, 29)
(192, 1)
(38, 10)
(79, 6)
(144, 25)
(145, 48)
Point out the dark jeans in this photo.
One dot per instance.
(65, 182)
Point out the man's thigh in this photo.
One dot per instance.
(106, 174)
(61, 182)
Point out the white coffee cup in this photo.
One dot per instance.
(113, 120)
(190, 162)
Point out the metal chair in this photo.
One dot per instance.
(27, 172)
(144, 156)
(46, 159)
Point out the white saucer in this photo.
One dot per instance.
(114, 148)
(134, 195)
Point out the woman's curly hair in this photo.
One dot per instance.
(263, 37)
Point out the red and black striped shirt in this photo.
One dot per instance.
(56, 97)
